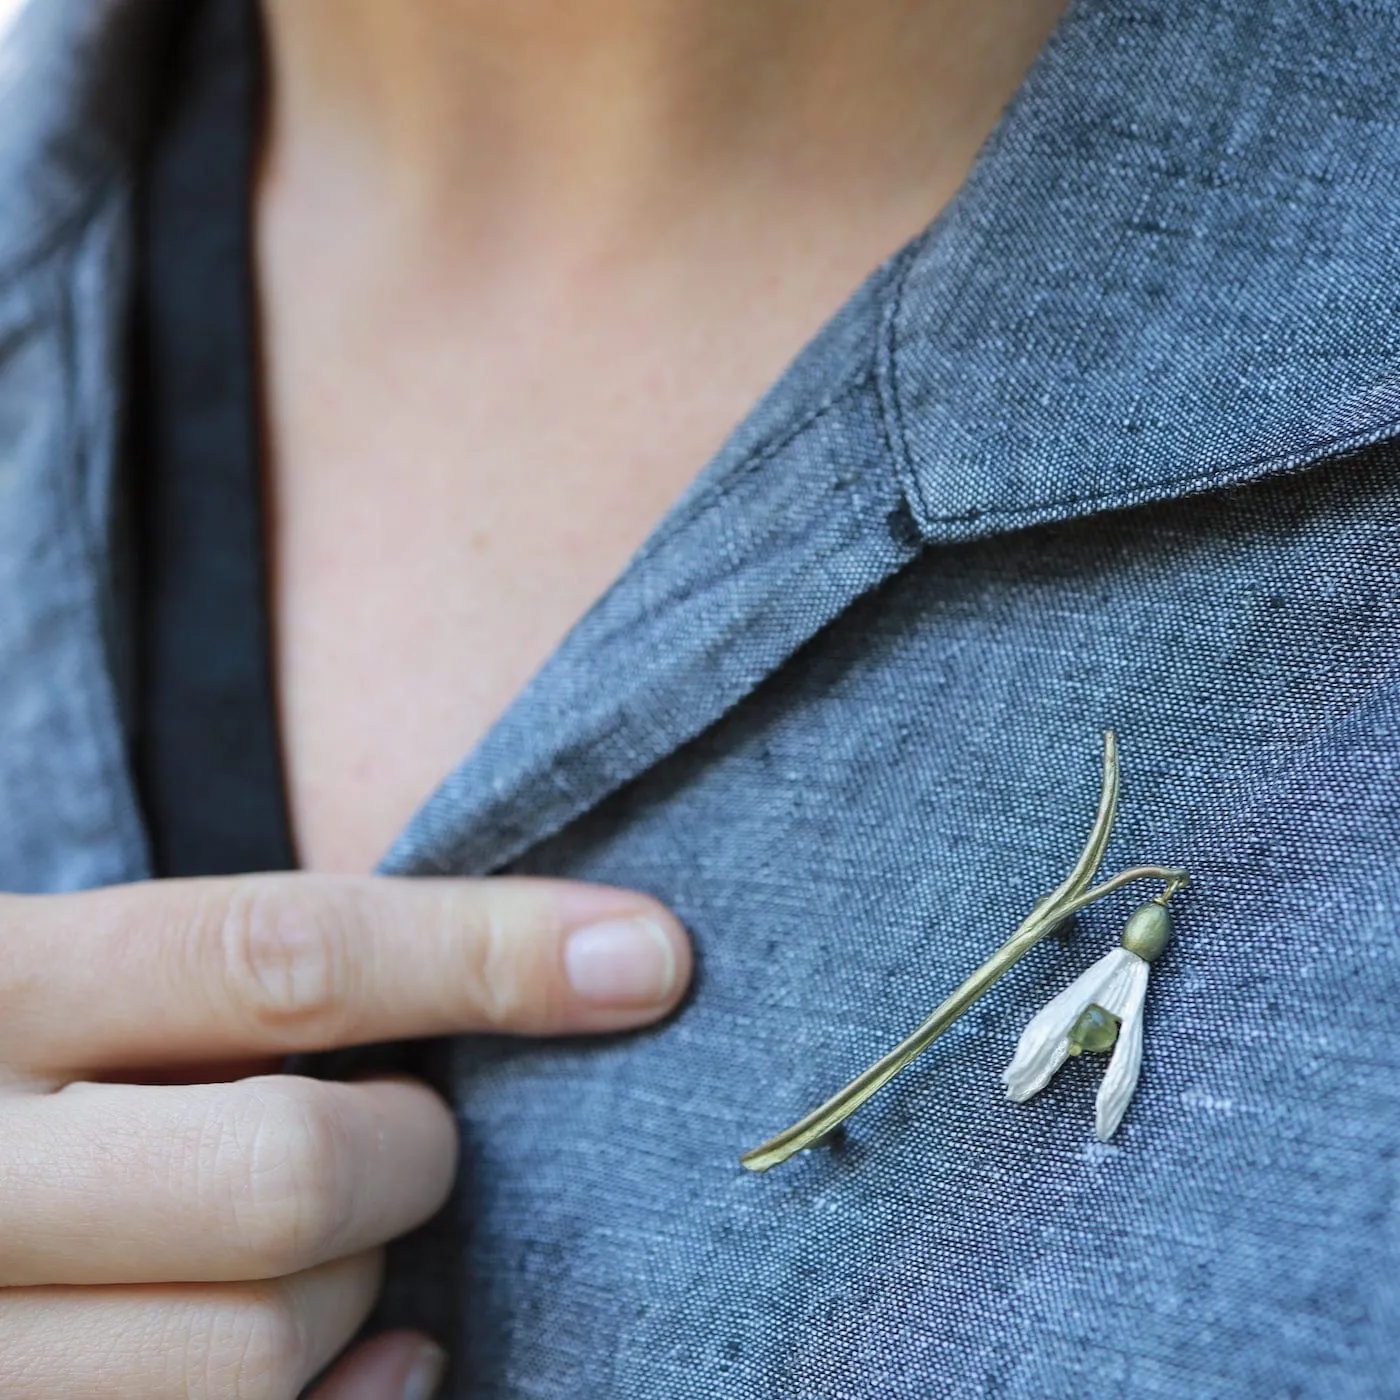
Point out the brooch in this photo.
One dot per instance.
(1099, 1011)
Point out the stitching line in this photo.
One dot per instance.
(1234, 473)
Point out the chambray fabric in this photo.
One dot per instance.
(1115, 443)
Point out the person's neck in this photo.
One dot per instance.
(504, 123)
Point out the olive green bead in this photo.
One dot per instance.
(1148, 932)
(1094, 1031)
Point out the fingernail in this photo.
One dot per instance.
(623, 962)
(426, 1375)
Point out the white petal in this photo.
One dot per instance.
(1119, 1081)
(1044, 1044)
(1125, 990)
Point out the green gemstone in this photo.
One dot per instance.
(1095, 1031)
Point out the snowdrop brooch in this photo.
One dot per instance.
(1099, 1011)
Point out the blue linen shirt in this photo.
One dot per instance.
(1113, 443)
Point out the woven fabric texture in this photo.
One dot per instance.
(1113, 444)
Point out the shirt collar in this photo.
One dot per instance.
(1168, 271)
(1175, 266)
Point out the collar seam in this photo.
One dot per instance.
(716, 492)
(892, 414)
(1232, 474)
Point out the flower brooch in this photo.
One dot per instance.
(1101, 1010)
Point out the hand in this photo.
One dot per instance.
(192, 1238)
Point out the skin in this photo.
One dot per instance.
(521, 268)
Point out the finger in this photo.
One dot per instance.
(118, 1183)
(394, 1366)
(248, 1341)
(272, 964)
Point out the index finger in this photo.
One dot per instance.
(208, 969)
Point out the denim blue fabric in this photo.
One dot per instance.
(1115, 443)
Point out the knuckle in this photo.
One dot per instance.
(288, 959)
(283, 1163)
(493, 972)
(256, 1348)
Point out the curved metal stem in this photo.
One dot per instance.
(1073, 894)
